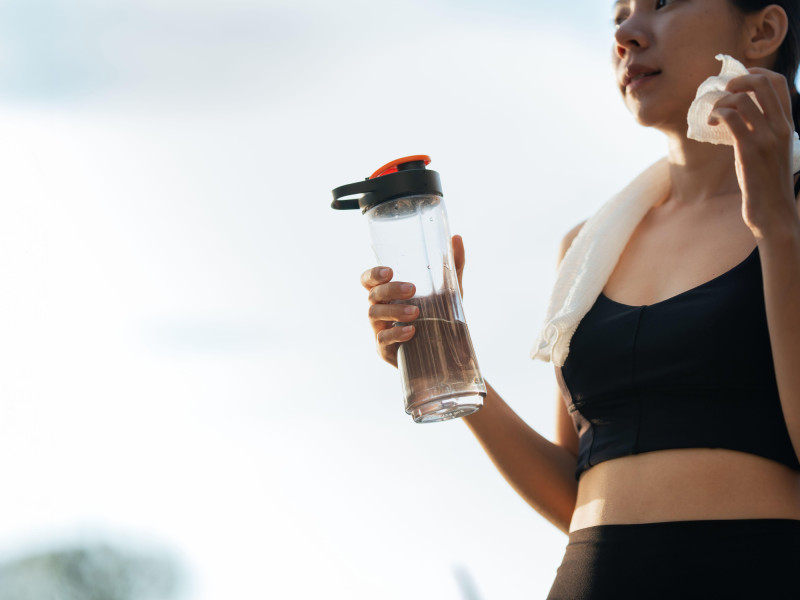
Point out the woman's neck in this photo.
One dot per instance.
(699, 171)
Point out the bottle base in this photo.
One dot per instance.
(444, 409)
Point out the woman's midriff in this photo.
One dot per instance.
(686, 485)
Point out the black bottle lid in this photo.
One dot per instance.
(402, 177)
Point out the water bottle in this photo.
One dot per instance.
(407, 221)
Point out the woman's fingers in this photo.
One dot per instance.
(393, 335)
(381, 289)
(395, 290)
(758, 136)
(770, 88)
(733, 119)
(383, 316)
(388, 341)
(375, 276)
(386, 315)
(738, 105)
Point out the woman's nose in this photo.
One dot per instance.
(629, 35)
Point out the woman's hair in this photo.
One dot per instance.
(788, 57)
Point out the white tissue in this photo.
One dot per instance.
(711, 91)
(708, 94)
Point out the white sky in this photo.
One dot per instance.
(185, 358)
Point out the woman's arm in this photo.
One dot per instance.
(763, 150)
(780, 263)
(540, 471)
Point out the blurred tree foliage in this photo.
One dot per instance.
(99, 572)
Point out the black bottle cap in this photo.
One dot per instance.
(402, 177)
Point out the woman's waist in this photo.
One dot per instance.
(685, 485)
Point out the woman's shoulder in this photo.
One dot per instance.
(567, 240)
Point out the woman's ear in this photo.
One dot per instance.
(765, 31)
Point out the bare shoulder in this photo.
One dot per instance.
(566, 242)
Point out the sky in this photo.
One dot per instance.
(185, 358)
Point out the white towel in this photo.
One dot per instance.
(595, 251)
(591, 258)
(708, 94)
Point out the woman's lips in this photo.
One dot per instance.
(635, 84)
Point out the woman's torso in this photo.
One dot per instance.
(669, 255)
(686, 485)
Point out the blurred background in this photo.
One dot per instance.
(191, 406)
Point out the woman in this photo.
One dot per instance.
(684, 377)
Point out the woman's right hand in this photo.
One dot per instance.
(383, 315)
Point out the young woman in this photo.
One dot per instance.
(679, 402)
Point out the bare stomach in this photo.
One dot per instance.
(686, 485)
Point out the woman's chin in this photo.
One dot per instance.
(660, 120)
(666, 118)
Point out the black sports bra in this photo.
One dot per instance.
(692, 371)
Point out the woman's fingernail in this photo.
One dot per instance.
(383, 272)
(410, 310)
(406, 287)
(408, 329)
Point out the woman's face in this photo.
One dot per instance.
(664, 50)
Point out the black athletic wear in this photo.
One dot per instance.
(692, 371)
(745, 559)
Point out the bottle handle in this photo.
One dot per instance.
(351, 189)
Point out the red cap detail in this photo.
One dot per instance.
(392, 166)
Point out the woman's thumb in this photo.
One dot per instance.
(458, 258)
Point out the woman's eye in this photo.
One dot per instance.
(620, 17)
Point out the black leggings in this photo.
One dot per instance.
(750, 559)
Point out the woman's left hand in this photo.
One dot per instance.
(763, 147)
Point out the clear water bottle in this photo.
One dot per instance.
(405, 211)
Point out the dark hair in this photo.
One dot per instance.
(788, 57)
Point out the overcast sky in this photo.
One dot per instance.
(185, 359)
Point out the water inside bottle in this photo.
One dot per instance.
(438, 364)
